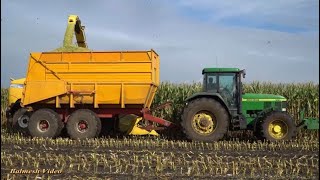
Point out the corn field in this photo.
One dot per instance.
(237, 157)
(300, 96)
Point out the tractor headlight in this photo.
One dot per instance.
(284, 109)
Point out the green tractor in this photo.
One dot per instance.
(223, 106)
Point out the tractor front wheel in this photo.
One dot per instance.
(205, 119)
(278, 126)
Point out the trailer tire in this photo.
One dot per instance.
(20, 121)
(217, 114)
(45, 123)
(83, 123)
(278, 125)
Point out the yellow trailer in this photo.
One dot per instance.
(124, 79)
(76, 89)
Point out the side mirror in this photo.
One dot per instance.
(244, 73)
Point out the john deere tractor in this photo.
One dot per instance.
(223, 106)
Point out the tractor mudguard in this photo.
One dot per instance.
(209, 95)
(260, 116)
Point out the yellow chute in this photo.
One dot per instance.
(129, 124)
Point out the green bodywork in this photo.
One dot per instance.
(308, 123)
(214, 70)
(245, 109)
(311, 123)
(254, 104)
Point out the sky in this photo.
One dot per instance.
(274, 40)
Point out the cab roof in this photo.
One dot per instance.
(214, 70)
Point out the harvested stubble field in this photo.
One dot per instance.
(238, 156)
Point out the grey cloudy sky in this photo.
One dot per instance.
(273, 40)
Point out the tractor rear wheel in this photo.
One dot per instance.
(205, 119)
(45, 123)
(278, 126)
(83, 123)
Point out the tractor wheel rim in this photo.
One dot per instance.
(278, 129)
(82, 126)
(43, 125)
(23, 121)
(204, 123)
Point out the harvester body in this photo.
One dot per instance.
(15, 90)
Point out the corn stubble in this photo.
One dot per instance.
(161, 158)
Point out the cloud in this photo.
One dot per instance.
(293, 13)
(185, 42)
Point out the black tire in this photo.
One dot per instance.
(9, 124)
(91, 121)
(108, 127)
(20, 121)
(209, 105)
(64, 132)
(257, 130)
(45, 116)
(281, 118)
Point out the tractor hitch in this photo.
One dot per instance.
(147, 115)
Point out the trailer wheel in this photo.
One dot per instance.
(20, 121)
(45, 123)
(205, 119)
(83, 123)
(278, 126)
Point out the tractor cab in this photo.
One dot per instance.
(227, 83)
